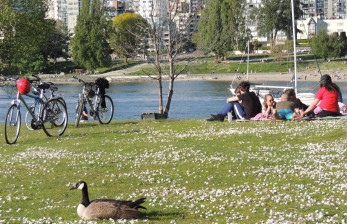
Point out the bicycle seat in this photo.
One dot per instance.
(54, 88)
(44, 86)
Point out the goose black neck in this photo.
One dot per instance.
(85, 197)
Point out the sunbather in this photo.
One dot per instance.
(285, 109)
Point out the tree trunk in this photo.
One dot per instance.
(125, 59)
(160, 81)
(172, 80)
(160, 92)
(169, 96)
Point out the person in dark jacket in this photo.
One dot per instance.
(244, 105)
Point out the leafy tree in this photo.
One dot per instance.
(222, 27)
(343, 40)
(24, 29)
(255, 45)
(275, 16)
(58, 43)
(129, 34)
(326, 46)
(89, 45)
(280, 50)
(336, 46)
(320, 44)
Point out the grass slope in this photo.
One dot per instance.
(191, 171)
(211, 67)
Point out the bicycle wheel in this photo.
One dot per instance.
(64, 103)
(28, 118)
(54, 118)
(12, 124)
(105, 114)
(62, 100)
(79, 110)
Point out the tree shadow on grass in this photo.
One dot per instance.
(88, 129)
(162, 216)
(127, 123)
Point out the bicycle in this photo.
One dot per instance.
(35, 107)
(101, 105)
(52, 117)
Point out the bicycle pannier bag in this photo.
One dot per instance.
(102, 84)
(89, 93)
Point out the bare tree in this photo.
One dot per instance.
(168, 35)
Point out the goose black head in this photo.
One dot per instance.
(79, 185)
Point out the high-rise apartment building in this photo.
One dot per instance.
(252, 24)
(324, 9)
(68, 10)
(328, 15)
(65, 11)
(317, 14)
(148, 8)
(115, 8)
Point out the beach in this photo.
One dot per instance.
(115, 77)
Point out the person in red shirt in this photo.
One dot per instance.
(326, 98)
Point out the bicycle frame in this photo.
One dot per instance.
(20, 99)
(48, 115)
(92, 102)
(102, 113)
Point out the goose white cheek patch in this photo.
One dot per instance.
(81, 186)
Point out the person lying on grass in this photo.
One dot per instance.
(285, 109)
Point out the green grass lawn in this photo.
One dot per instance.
(191, 171)
(219, 68)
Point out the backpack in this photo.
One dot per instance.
(102, 84)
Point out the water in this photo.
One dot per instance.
(191, 99)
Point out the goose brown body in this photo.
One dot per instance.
(106, 208)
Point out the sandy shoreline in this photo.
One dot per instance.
(254, 77)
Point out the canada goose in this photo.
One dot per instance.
(106, 208)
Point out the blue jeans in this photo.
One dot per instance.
(235, 108)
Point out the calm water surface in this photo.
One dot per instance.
(191, 99)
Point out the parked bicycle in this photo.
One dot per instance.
(52, 116)
(101, 105)
(36, 106)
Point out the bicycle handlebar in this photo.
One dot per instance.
(84, 82)
(4, 78)
(37, 79)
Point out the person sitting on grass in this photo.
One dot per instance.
(285, 109)
(249, 106)
(269, 105)
(85, 115)
(297, 102)
(327, 97)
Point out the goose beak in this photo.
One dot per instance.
(73, 188)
